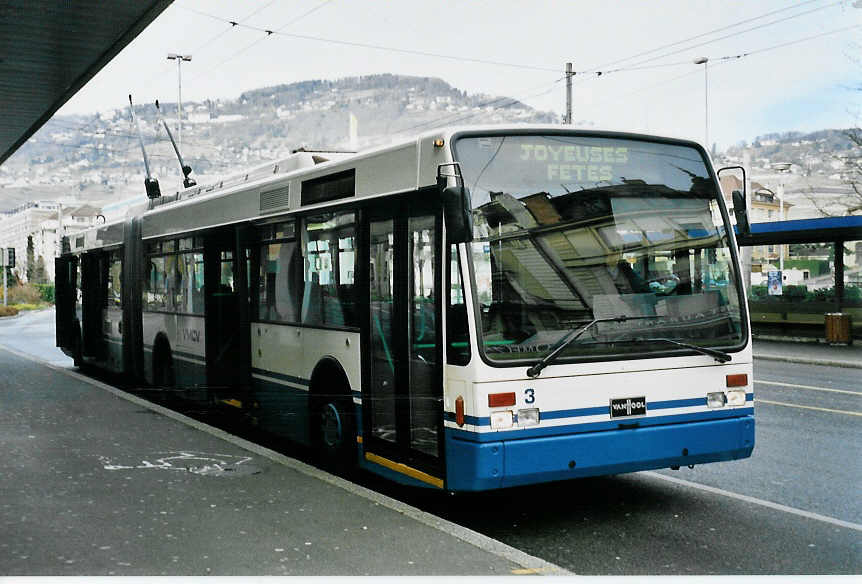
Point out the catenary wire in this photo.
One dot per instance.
(728, 27)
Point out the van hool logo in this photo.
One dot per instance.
(628, 406)
(191, 335)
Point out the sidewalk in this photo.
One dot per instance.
(95, 484)
(809, 353)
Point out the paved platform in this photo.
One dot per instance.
(98, 482)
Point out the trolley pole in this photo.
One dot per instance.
(568, 118)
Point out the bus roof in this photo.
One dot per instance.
(275, 188)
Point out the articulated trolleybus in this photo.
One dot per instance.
(473, 309)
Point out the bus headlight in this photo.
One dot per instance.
(501, 419)
(528, 417)
(716, 399)
(736, 397)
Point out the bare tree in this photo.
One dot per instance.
(853, 172)
(851, 160)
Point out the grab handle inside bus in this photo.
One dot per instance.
(457, 207)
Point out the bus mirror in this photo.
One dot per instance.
(458, 213)
(457, 207)
(741, 215)
(732, 178)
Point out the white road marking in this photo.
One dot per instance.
(811, 387)
(756, 501)
(786, 405)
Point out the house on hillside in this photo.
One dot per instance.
(765, 206)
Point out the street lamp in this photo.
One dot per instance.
(781, 168)
(703, 61)
(179, 59)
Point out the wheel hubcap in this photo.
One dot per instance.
(330, 426)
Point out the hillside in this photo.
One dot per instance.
(818, 182)
(814, 155)
(97, 158)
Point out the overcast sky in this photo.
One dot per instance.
(519, 49)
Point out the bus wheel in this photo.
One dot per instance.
(334, 433)
(78, 348)
(163, 374)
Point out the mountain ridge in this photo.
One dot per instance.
(97, 159)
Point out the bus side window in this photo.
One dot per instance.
(190, 283)
(328, 296)
(279, 266)
(115, 280)
(457, 333)
(154, 284)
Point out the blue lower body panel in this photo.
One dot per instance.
(475, 466)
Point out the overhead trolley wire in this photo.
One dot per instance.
(357, 44)
(258, 40)
(211, 40)
(641, 65)
(690, 47)
(170, 69)
(596, 71)
(718, 61)
(734, 25)
(226, 30)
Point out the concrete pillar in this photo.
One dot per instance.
(839, 274)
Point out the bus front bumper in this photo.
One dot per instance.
(476, 466)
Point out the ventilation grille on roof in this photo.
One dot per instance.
(275, 199)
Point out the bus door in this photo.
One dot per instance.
(221, 302)
(402, 390)
(94, 292)
(64, 277)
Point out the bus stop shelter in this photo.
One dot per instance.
(834, 230)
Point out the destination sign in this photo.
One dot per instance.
(572, 162)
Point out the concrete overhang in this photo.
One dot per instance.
(51, 49)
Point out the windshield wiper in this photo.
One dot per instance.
(719, 356)
(572, 335)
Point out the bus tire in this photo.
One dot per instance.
(78, 348)
(163, 367)
(333, 426)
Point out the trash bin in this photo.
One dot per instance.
(837, 327)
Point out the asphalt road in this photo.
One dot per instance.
(792, 508)
(782, 511)
(33, 333)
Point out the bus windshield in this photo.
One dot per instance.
(570, 229)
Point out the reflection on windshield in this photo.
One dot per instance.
(644, 239)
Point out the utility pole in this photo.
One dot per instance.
(568, 118)
(781, 168)
(703, 61)
(179, 59)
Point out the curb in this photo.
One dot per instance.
(803, 340)
(803, 361)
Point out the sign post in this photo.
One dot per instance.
(774, 283)
(3, 267)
